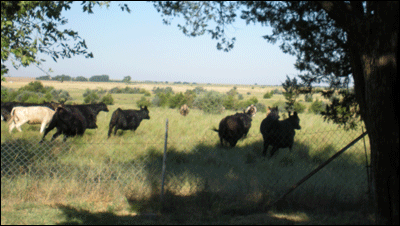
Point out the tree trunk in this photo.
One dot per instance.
(375, 75)
(381, 120)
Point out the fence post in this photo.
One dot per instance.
(164, 164)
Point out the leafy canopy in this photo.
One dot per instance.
(32, 27)
(303, 28)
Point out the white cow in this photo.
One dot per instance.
(31, 115)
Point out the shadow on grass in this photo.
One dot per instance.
(22, 156)
(194, 209)
(222, 183)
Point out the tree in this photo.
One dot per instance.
(334, 42)
(126, 79)
(292, 91)
(31, 27)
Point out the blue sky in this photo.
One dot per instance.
(138, 44)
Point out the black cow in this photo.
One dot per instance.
(127, 119)
(70, 123)
(234, 127)
(83, 117)
(88, 111)
(279, 134)
(6, 107)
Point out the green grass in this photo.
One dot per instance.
(92, 179)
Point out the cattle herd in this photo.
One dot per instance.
(72, 120)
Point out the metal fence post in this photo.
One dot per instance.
(163, 164)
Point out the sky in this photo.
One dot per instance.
(138, 44)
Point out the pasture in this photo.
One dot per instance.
(92, 179)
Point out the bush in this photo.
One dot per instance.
(232, 92)
(268, 95)
(261, 107)
(107, 99)
(143, 102)
(60, 95)
(26, 96)
(230, 102)
(177, 100)
(210, 102)
(166, 90)
(317, 107)
(308, 98)
(299, 107)
(90, 96)
(277, 91)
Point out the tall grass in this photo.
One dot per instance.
(202, 178)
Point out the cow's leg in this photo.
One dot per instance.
(19, 124)
(115, 130)
(110, 130)
(55, 136)
(266, 145)
(233, 143)
(274, 149)
(11, 126)
(65, 138)
(42, 127)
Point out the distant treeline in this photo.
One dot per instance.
(94, 78)
(101, 78)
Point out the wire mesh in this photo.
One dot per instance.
(199, 165)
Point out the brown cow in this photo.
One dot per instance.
(184, 110)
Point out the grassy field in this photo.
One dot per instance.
(92, 179)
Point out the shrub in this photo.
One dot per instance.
(210, 102)
(261, 107)
(268, 95)
(177, 100)
(35, 86)
(230, 102)
(277, 91)
(317, 107)
(232, 92)
(107, 99)
(90, 96)
(308, 97)
(143, 102)
(29, 97)
(5, 94)
(299, 107)
(166, 90)
(161, 99)
(60, 95)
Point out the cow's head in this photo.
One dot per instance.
(295, 120)
(103, 107)
(145, 112)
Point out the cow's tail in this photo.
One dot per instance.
(215, 129)
(13, 117)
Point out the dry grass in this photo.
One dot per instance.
(96, 179)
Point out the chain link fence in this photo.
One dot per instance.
(232, 175)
